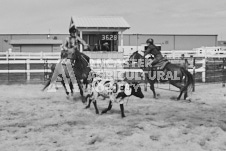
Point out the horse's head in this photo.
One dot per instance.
(81, 64)
(135, 57)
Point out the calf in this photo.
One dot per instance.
(116, 91)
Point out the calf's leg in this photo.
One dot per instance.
(95, 105)
(122, 110)
(107, 109)
(88, 106)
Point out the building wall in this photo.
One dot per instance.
(190, 42)
(167, 42)
(172, 42)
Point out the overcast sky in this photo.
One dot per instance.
(144, 16)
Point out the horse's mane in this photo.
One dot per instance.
(81, 64)
(79, 60)
(135, 53)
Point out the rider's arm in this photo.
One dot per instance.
(65, 45)
(82, 42)
(147, 51)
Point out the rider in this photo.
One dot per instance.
(152, 49)
(73, 41)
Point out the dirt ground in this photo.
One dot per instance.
(32, 120)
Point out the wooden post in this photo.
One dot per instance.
(223, 72)
(28, 70)
(121, 42)
(41, 55)
(145, 86)
(204, 72)
(81, 38)
(173, 54)
(7, 55)
(194, 74)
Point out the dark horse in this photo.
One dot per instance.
(81, 70)
(184, 81)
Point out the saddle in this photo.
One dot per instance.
(161, 64)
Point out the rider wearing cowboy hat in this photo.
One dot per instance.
(72, 42)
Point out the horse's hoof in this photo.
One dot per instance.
(154, 97)
(188, 99)
(103, 112)
(123, 116)
(84, 100)
(86, 107)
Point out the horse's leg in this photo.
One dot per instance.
(71, 86)
(152, 88)
(107, 109)
(185, 94)
(62, 82)
(180, 86)
(88, 106)
(85, 82)
(95, 105)
(80, 89)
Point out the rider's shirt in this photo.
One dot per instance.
(72, 44)
(152, 49)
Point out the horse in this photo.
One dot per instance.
(81, 68)
(184, 82)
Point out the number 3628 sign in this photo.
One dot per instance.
(109, 37)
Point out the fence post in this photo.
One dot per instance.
(7, 55)
(204, 72)
(194, 74)
(41, 55)
(224, 72)
(28, 70)
(173, 54)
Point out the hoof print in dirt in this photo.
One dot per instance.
(174, 98)
(94, 139)
(154, 137)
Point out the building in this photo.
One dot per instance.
(104, 33)
(36, 45)
(167, 42)
(135, 41)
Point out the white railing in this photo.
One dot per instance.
(97, 67)
(24, 55)
(38, 58)
(55, 55)
(99, 55)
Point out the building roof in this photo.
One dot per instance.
(99, 22)
(35, 41)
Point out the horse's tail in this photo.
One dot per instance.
(189, 84)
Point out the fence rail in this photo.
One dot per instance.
(174, 54)
(27, 65)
